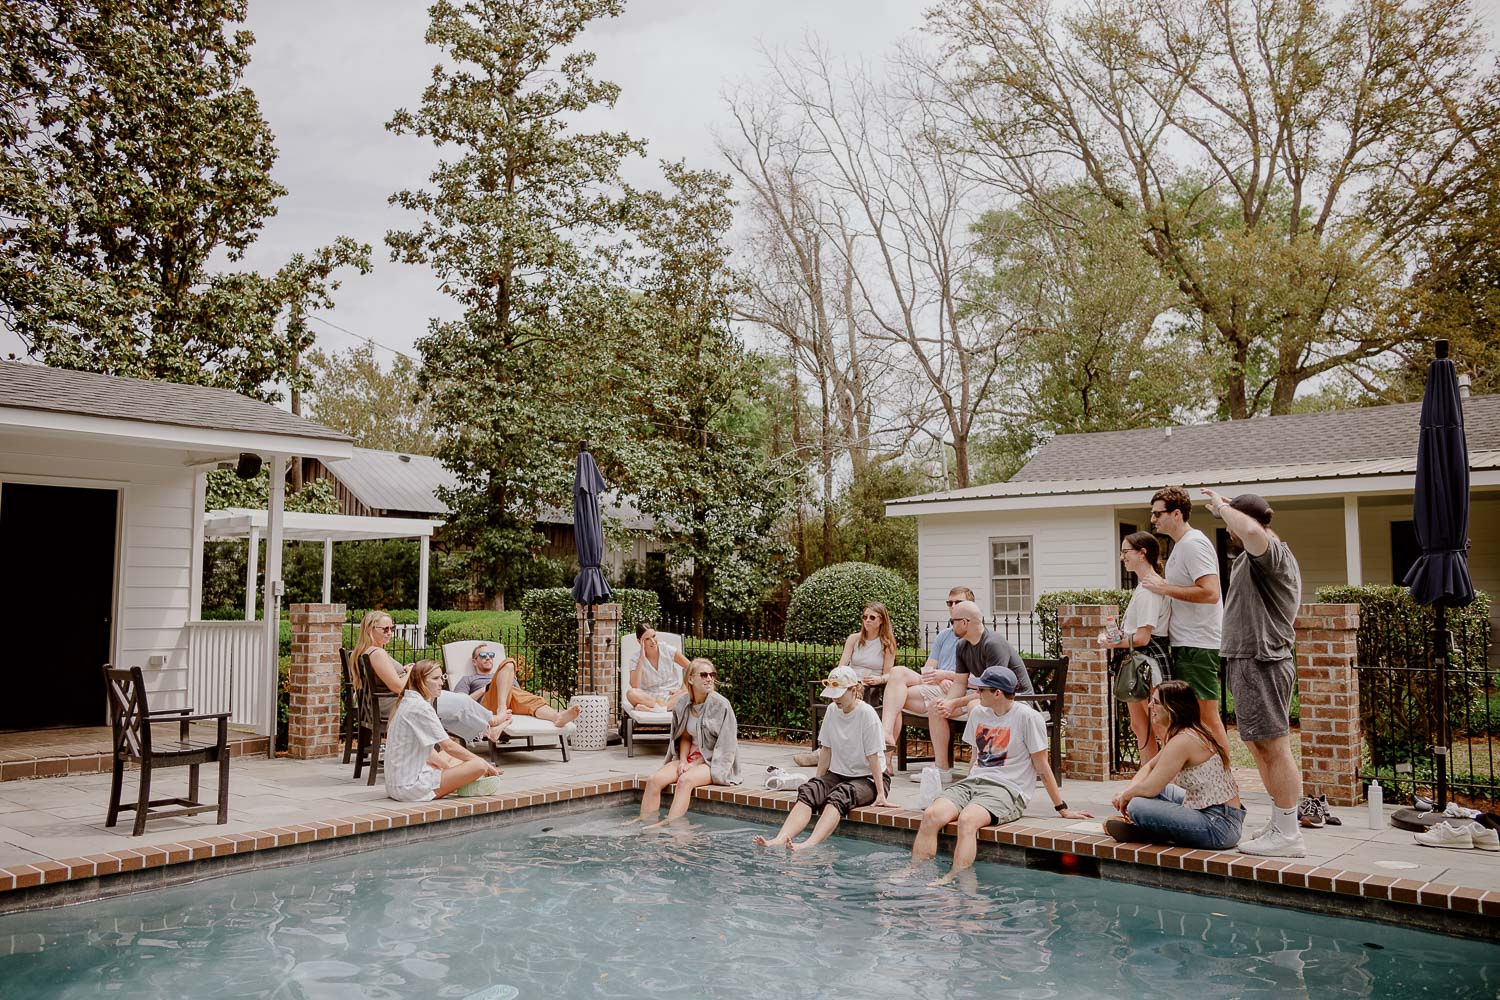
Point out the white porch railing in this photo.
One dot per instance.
(227, 671)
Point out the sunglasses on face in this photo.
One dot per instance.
(1157, 513)
(486, 656)
(950, 602)
(872, 618)
(707, 676)
(385, 628)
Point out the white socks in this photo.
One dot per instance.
(1284, 821)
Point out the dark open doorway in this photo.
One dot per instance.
(57, 581)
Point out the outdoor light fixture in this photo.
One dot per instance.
(248, 466)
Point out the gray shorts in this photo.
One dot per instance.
(1003, 804)
(1262, 691)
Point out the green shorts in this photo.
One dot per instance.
(1200, 668)
(1004, 805)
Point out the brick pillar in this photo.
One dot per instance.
(1328, 691)
(313, 685)
(599, 656)
(1086, 711)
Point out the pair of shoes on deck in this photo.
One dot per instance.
(1314, 814)
(1459, 836)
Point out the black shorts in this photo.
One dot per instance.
(841, 792)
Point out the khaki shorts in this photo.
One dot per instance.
(1004, 805)
(521, 702)
(929, 692)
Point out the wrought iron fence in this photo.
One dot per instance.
(1398, 701)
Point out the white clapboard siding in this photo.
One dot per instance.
(227, 671)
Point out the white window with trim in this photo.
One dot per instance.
(1010, 576)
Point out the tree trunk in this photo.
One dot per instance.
(960, 461)
(700, 597)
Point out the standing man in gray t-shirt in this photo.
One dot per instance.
(1260, 610)
(1191, 582)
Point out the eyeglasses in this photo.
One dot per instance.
(957, 621)
(950, 602)
(486, 656)
(1126, 551)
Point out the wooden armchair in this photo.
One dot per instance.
(372, 707)
(349, 724)
(1049, 680)
(130, 721)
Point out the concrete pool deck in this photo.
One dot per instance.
(52, 832)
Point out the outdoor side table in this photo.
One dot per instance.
(592, 722)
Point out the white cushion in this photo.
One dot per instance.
(458, 657)
(630, 646)
(530, 725)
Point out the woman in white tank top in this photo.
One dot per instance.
(872, 650)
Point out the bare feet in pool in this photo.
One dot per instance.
(761, 841)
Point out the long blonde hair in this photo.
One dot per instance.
(366, 642)
(887, 636)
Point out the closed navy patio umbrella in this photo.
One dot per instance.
(589, 587)
(1440, 516)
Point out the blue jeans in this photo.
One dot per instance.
(1166, 820)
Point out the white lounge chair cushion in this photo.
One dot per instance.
(630, 646)
(528, 725)
(643, 718)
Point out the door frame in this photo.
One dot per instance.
(121, 489)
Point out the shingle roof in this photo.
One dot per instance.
(1338, 436)
(391, 480)
(36, 387)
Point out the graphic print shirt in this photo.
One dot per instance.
(1003, 745)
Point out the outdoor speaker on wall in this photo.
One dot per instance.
(248, 467)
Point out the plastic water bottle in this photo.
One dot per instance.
(1376, 801)
(1112, 629)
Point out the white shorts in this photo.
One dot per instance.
(929, 692)
(425, 789)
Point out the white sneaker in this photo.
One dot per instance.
(1459, 837)
(1274, 844)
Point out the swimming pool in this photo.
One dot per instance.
(584, 907)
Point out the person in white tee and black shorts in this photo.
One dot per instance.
(851, 765)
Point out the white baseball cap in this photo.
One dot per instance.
(840, 680)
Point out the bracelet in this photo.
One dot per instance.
(1061, 807)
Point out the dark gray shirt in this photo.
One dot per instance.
(469, 683)
(1260, 610)
(991, 651)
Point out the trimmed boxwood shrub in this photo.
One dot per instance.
(1047, 605)
(550, 618)
(769, 684)
(825, 607)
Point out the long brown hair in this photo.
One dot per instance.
(417, 676)
(1181, 705)
(887, 637)
(1145, 543)
(366, 643)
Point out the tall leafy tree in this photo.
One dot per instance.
(379, 407)
(516, 223)
(134, 155)
(695, 459)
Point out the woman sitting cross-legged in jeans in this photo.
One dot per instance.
(1185, 796)
(851, 765)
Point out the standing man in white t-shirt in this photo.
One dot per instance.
(1192, 583)
(1010, 752)
(851, 765)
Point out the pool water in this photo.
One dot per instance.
(586, 907)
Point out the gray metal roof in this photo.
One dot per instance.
(391, 480)
(1339, 436)
(59, 390)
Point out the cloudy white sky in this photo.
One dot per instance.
(329, 73)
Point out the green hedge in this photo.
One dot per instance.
(1047, 605)
(550, 618)
(769, 684)
(825, 608)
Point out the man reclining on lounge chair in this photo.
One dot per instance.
(490, 684)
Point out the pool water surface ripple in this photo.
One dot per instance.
(586, 907)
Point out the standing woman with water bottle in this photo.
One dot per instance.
(1147, 619)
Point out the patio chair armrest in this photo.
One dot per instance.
(174, 712)
(202, 717)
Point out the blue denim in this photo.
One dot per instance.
(1166, 820)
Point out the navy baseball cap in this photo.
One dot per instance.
(998, 679)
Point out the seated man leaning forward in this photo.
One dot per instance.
(489, 683)
(910, 691)
(851, 765)
(978, 649)
(1010, 752)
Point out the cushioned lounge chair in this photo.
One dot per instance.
(526, 732)
(633, 720)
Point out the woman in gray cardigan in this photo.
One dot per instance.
(703, 750)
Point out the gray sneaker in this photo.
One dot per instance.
(1313, 812)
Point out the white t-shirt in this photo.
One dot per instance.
(1195, 625)
(413, 733)
(1003, 745)
(852, 736)
(1146, 608)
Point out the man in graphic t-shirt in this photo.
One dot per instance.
(1191, 582)
(1010, 752)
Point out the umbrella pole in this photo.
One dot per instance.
(1440, 751)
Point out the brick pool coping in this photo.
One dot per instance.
(1318, 886)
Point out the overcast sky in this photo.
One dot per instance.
(329, 73)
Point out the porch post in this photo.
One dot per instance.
(252, 559)
(273, 591)
(422, 564)
(1353, 569)
(328, 571)
(1086, 713)
(1328, 693)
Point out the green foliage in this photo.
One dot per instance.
(825, 608)
(550, 618)
(379, 408)
(769, 685)
(497, 626)
(367, 573)
(1396, 684)
(1047, 605)
(225, 490)
(136, 163)
(517, 221)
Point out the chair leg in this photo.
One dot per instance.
(900, 747)
(114, 793)
(143, 799)
(562, 741)
(629, 736)
(359, 754)
(223, 784)
(193, 784)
